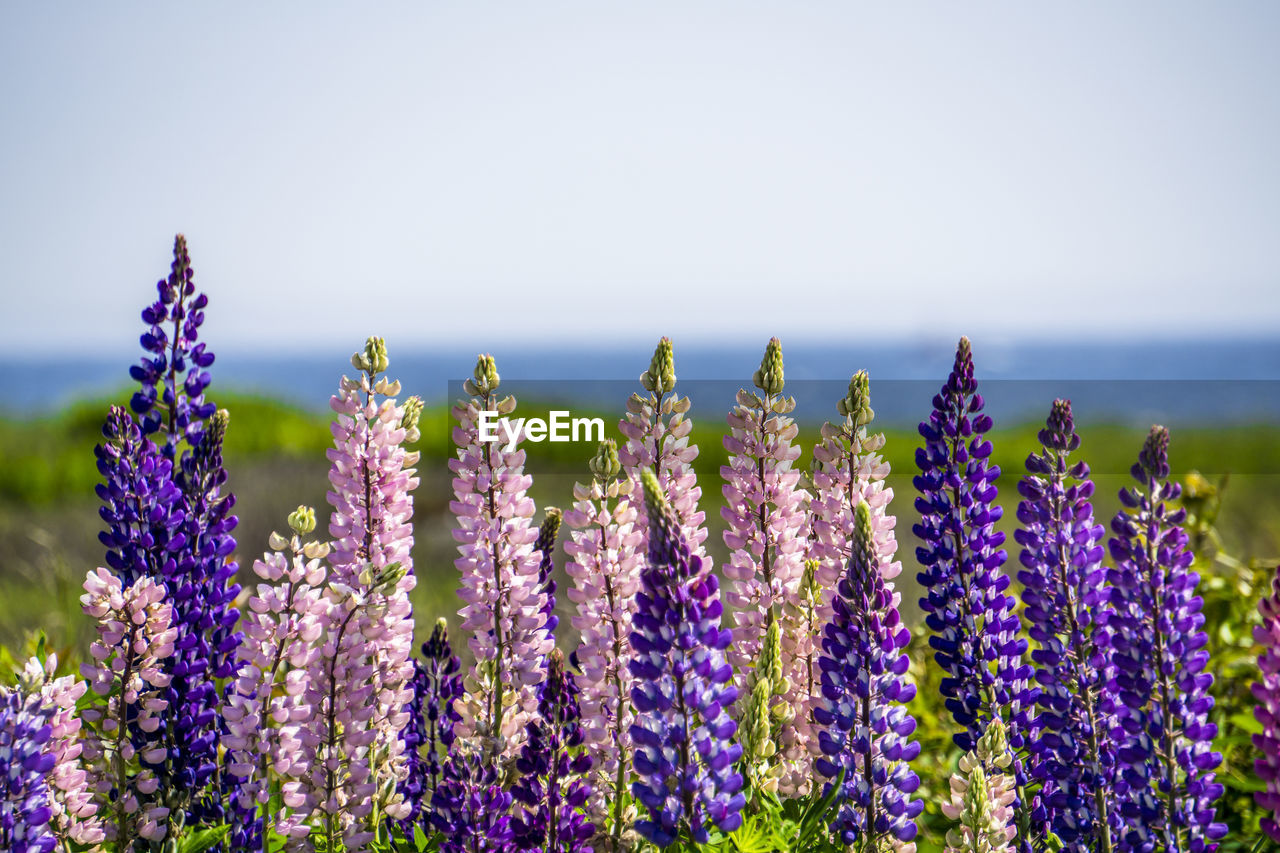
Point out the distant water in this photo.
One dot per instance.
(1237, 381)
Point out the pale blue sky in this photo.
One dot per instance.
(473, 172)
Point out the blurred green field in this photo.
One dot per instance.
(275, 455)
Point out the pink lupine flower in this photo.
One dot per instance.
(657, 428)
(74, 812)
(267, 711)
(357, 687)
(1267, 693)
(765, 509)
(605, 571)
(500, 588)
(127, 668)
(848, 470)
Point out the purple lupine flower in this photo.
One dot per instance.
(1067, 607)
(186, 541)
(862, 710)
(470, 809)
(975, 629)
(552, 786)
(26, 759)
(437, 684)
(174, 375)
(1164, 737)
(141, 506)
(1267, 692)
(684, 748)
(545, 545)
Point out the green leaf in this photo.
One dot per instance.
(420, 839)
(203, 839)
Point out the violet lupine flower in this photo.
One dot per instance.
(765, 510)
(551, 786)
(126, 737)
(604, 568)
(174, 376)
(684, 748)
(141, 506)
(190, 538)
(500, 574)
(975, 628)
(657, 428)
(866, 727)
(267, 702)
(371, 474)
(1164, 738)
(1267, 693)
(73, 810)
(437, 685)
(470, 809)
(1067, 607)
(27, 760)
(545, 545)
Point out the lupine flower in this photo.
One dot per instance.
(1164, 740)
(73, 810)
(27, 759)
(361, 682)
(545, 545)
(604, 568)
(1267, 692)
(128, 668)
(470, 809)
(341, 784)
(866, 727)
(174, 376)
(763, 715)
(500, 574)
(437, 685)
(190, 553)
(267, 704)
(657, 429)
(141, 506)
(848, 471)
(1067, 607)
(551, 786)
(972, 619)
(982, 797)
(765, 511)
(684, 749)
(371, 476)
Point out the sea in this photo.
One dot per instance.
(1173, 381)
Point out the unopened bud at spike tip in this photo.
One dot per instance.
(769, 378)
(660, 378)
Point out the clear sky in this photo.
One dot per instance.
(473, 172)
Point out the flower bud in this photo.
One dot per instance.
(660, 378)
(303, 520)
(605, 465)
(769, 377)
